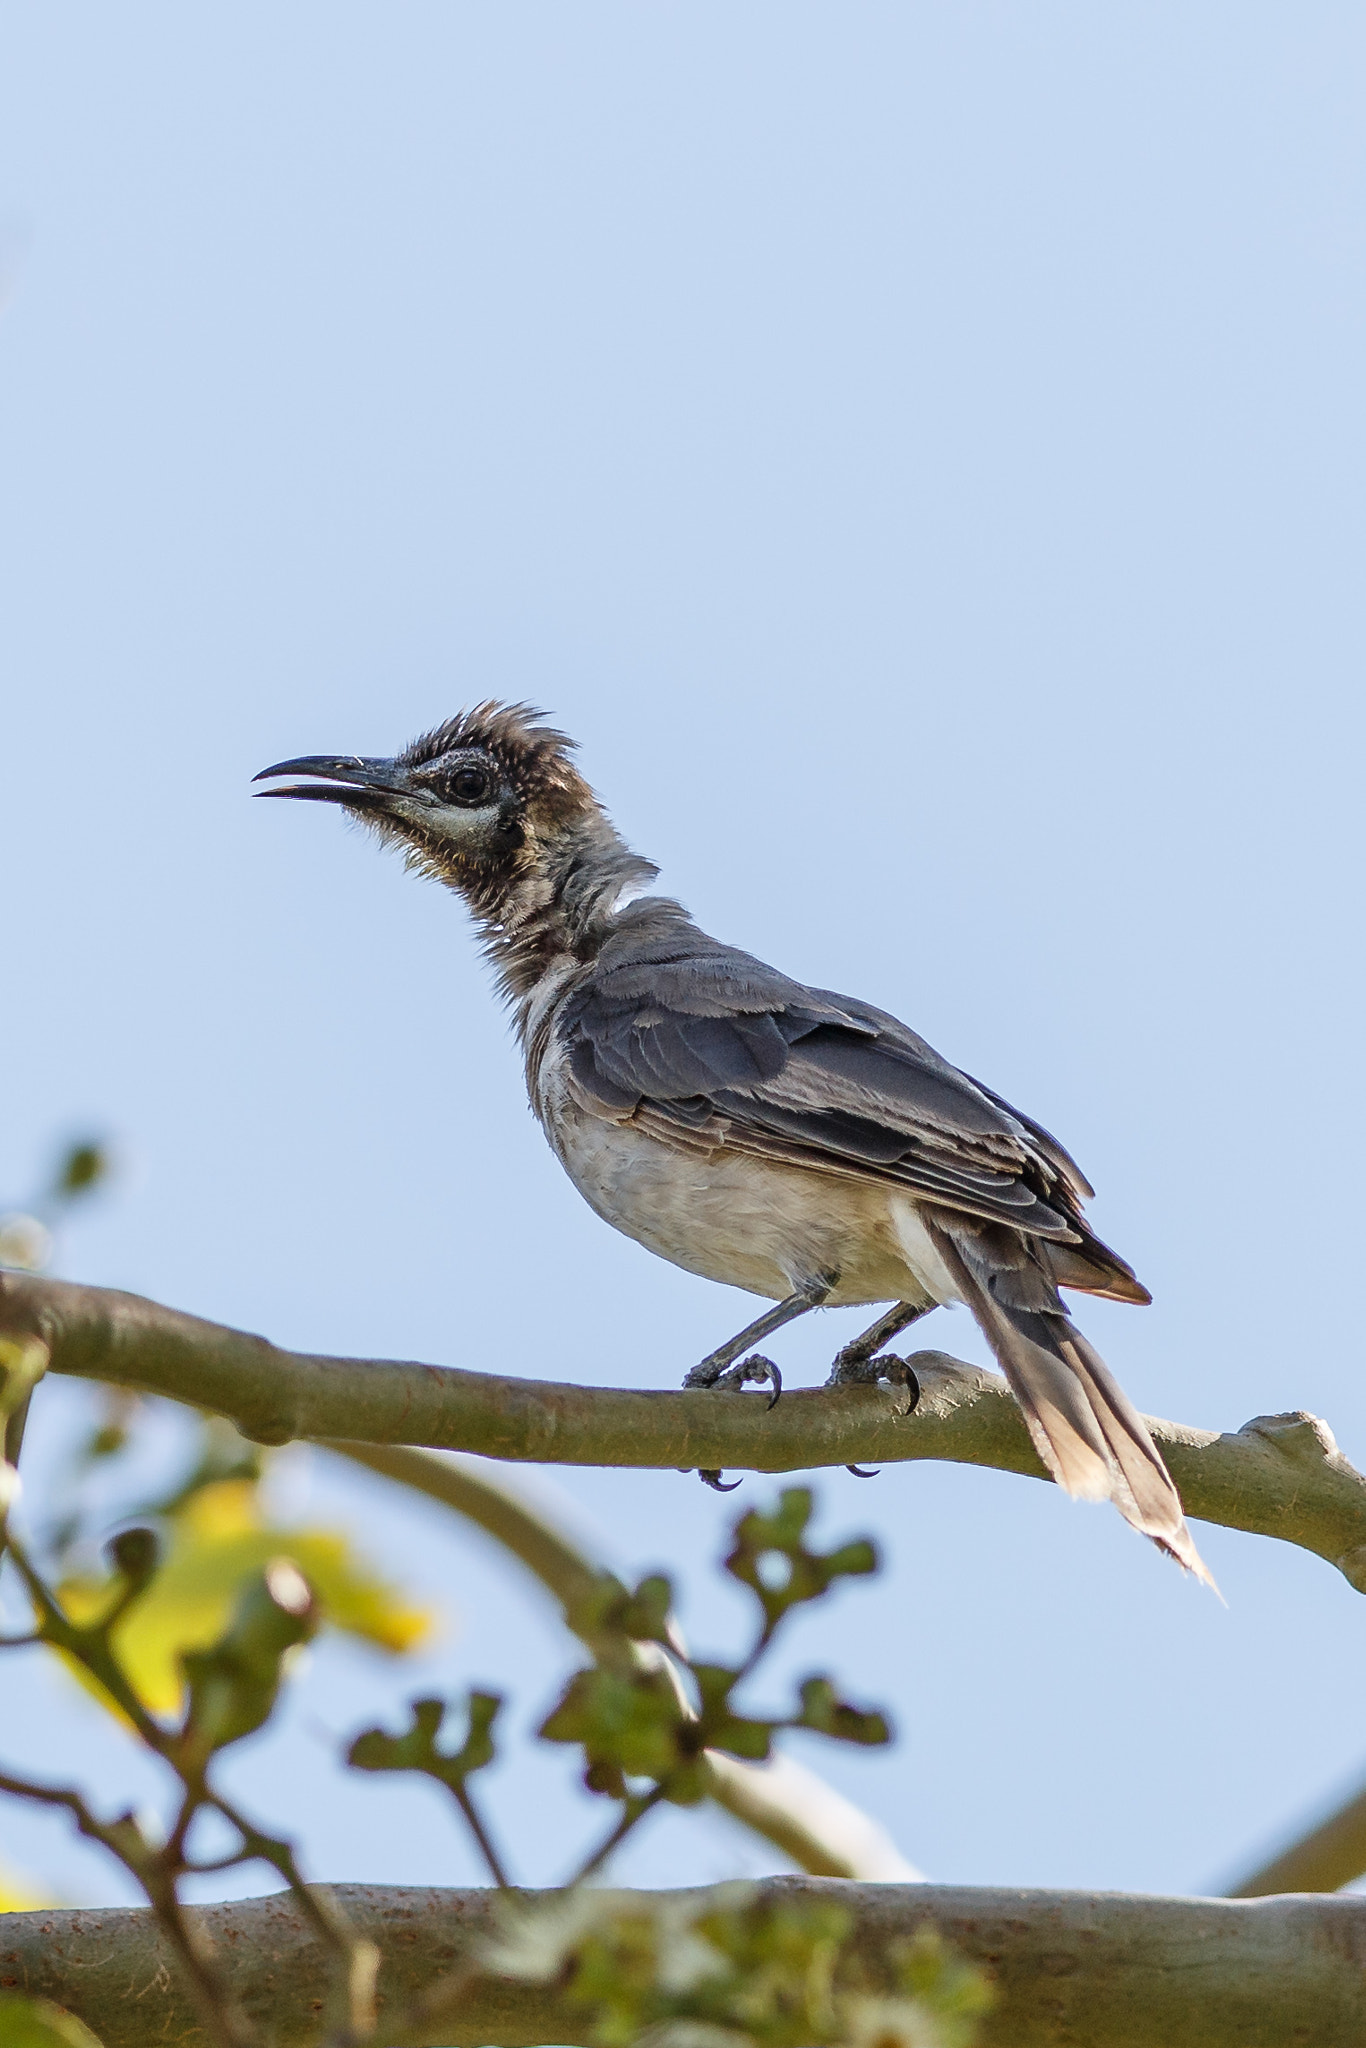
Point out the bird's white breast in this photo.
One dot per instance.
(760, 1224)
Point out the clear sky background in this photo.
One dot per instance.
(918, 450)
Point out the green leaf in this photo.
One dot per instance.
(35, 2023)
(824, 1711)
(715, 1684)
(234, 1683)
(608, 1609)
(719, 1726)
(645, 1616)
(770, 1555)
(628, 1724)
(958, 1993)
(750, 1740)
(417, 1750)
(726, 1969)
(731, 1970)
(688, 1784)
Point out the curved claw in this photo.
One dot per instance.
(754, 1371)
(715, 1482)
(859, 1472)
(865, 1372)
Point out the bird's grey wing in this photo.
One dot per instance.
(701, 1044)
(1043, 1141)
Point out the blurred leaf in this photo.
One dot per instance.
(724, 1728)
(629, 1724)
(217, 1544)
(417, 1750)
(722, 1970)
(607, 1609)
(82, 1167)
(235, 1682)
(732, 1970)
(34, 2023)
(23, 1361)
(823, 1710)
(134, 1555)
(771, 1557)
(954, 1990)
(628, 1715)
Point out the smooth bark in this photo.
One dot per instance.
(1069, 1967)
(1280, 1475)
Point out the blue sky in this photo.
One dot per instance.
(918, 451)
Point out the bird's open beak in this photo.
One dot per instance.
(346, 779)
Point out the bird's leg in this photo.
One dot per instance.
(859, 1365)
(719, 1369)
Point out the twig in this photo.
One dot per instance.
(219, 2011)
(635, 1812)
(496, 1867)
(357, 1958)
(88, 1645)
(158, 1871)
(787, 1803)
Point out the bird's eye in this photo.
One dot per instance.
(470, 785)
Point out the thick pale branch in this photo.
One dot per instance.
(823, 1832)
(1279, 1475)
(1111, 1971)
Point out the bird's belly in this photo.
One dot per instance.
(746, 1222)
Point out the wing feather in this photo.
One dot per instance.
(704, 1044)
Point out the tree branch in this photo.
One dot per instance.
(1280, 1475)
(1324, 1859)
(824, 1833)
(1111, 1971)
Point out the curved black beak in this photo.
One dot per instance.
(343, 779)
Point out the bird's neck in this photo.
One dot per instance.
(559, 905)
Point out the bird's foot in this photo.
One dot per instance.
(756, 1371)
(856, 1371)
(853, 1369)
(753, 1371)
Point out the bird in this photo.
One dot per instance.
(780, 1138)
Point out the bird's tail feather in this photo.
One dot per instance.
(1083, 1425)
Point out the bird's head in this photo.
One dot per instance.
(476, 803)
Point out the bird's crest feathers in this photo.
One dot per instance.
(534, 755)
